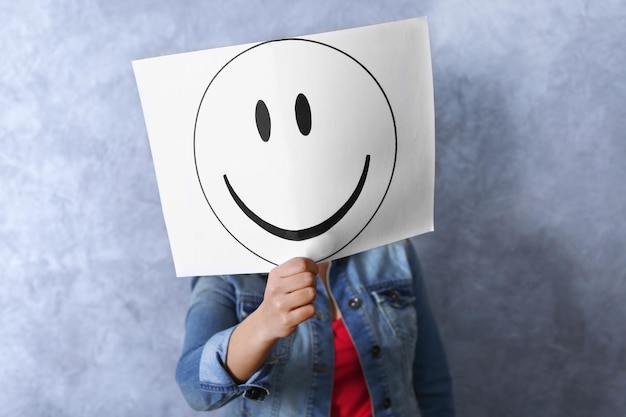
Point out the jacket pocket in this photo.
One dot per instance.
(396, 303)
(247, 304)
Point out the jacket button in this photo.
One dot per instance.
(354, 303)
(394, 295)
(375, 351)
(387, 403)
(255, 393)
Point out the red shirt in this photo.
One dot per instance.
(350, 395)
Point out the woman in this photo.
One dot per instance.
(354, 337)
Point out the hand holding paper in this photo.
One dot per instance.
(288, 301)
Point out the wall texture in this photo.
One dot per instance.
(526, 268)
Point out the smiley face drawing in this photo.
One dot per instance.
(295, 147)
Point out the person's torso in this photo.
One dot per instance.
(374, 293)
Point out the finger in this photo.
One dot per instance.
(301, 314)
(302, 297)
(295, 266)
(294, 300)
(278, 287)
(297, 282)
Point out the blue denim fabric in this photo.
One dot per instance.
(384, 305)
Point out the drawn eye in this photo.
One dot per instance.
(263, 122)
(303, 114)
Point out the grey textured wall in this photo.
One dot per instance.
(526, 268)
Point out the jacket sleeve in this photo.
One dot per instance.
(431, 376)
(201, 372)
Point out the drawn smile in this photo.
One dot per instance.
(309, 232)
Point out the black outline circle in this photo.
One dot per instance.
(395, 131)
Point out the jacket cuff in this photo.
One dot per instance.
(214, 376)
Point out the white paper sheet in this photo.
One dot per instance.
(319, 146)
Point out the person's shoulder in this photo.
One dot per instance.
(402, 250)
(394, 261)
(233, 279)
(240, 283)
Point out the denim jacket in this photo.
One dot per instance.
(383, 302)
